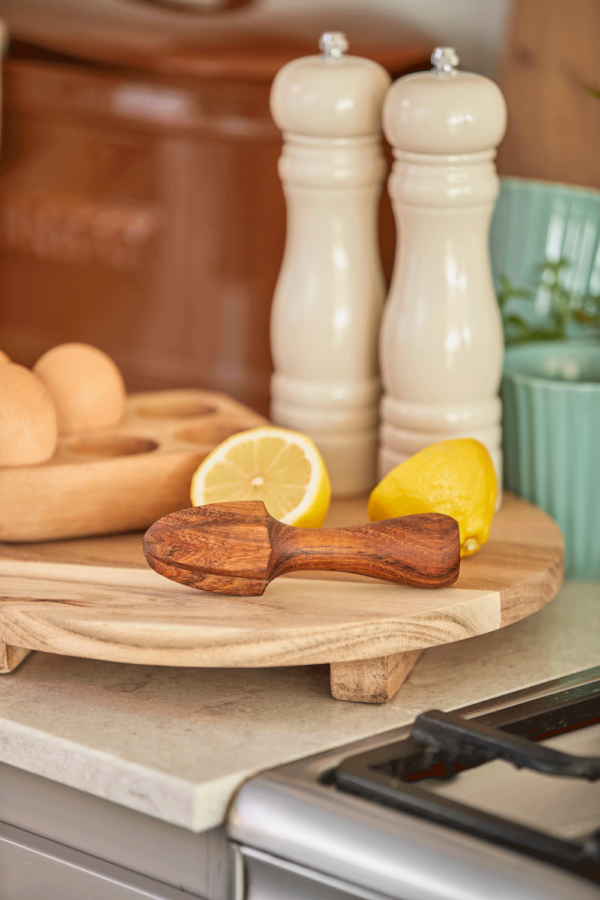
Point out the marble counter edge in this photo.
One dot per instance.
(198, 805)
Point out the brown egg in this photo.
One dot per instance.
(28, 424)
(86, 386)
(3, 357)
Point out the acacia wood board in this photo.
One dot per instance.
(122, 478)
(97, 598)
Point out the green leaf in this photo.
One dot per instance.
(517, 321)
(590, 89)
(565, 307)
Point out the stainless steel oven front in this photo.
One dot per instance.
(501, 801)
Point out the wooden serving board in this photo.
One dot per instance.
(123, 478)
(97, 598)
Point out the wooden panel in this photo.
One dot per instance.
(102, 235)
(553, 128)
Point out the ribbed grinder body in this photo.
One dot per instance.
(441, 344)
(329, 297)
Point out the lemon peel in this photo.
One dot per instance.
(455, 477)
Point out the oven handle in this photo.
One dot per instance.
(464, 741)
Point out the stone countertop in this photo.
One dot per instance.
(177, 743)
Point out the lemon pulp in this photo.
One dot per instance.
(282, 468)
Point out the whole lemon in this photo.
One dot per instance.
(454, 477)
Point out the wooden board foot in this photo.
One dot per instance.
(11, 657)
(371, 680)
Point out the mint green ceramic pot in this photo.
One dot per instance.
(536, 222)
(551, 397)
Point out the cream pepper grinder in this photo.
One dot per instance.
(327, 306)
(441, 344)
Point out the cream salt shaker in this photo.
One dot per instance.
(327, 306)
(441, 344)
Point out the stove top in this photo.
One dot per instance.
(542, 804)
(499, 801)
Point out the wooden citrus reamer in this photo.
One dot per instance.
(238, 548)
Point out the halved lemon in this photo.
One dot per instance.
(282, 468)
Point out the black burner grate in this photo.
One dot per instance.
(442, 744)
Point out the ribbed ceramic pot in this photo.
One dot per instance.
(551, 396)
(535, 222)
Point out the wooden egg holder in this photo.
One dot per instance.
(124, 478)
